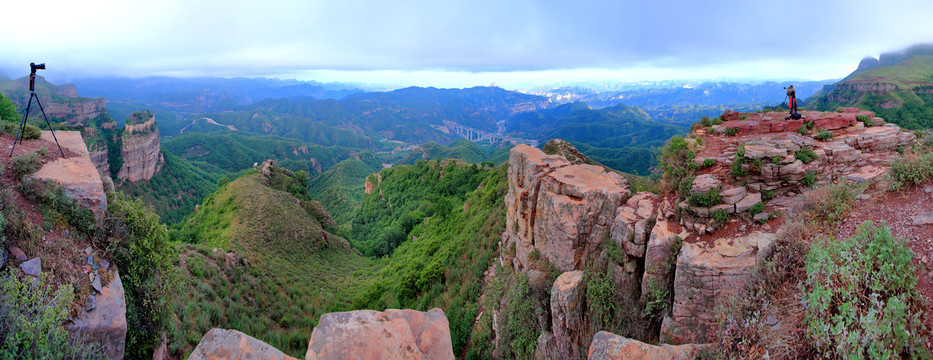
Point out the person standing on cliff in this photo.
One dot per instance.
(792, 99)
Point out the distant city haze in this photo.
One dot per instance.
(457, 43)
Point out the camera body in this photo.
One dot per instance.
(32, 74)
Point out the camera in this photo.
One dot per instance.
(34, 66)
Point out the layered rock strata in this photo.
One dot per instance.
(707, 274)
(142, 155)
(561, 212)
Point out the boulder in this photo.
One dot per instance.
(105, 324)
(833, 121)
(32, 267)
(234, 345)
(609, 346)
(76, 175)
(704, 183)
(705, 275)
(747, 202)
(733, 195)
(17, 254)
(392, 334)
(631, 225)
(567, 315)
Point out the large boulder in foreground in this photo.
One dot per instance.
(567, 296)
(76, 175)
(608, 346)
(234, 345)
(392, 334)
(105, 324)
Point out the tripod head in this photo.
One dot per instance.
(32, 74)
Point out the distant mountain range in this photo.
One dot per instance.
(897, 86)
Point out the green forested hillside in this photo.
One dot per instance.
(900, 90)
(621, 137)
(340, 188)
(235, 151)
(277, 267)
(176, 189)
(461, 149)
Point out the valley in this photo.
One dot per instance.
(275, 219)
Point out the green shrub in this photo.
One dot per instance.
(31, 319)
(737, 170)
(43, 151)
(706, 199)
(519, 322)
(767, 195)
(861, 297)
(709, 162)
(912, 169)
(802, 130)
(824, 135)
(721, 216)
(55, 203)
(777, 159)
(809, 124)
(740, 150)
(757, 208)
(809, 179)
(685, 185)
(806, 155)
(31, 132)
(140, 248)
(865, 120)
(705, 121)
(830, 204)
(731, 131)
(25, 165)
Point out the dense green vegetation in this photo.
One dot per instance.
(340, 188)
(7, 109)
(861, 297)
(139, 245)
(461, 149)
(176, 189)
(621, 137)
(404, 196)
(270, 286)
(236, 151)
(31, 318)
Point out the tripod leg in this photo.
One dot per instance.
(49, 124)
(21, 123)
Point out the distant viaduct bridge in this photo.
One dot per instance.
(476, 135)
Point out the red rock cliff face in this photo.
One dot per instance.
(142, 155)
(559, 210)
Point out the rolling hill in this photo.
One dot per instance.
(897, 87)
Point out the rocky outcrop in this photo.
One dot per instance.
(608, 346)
(61, 103)
(142, 155)
(706, 274)
(772, 154)
(105, 323)
(558, 210)
(567, 307)
(234, 345)
(76, 174)
(393, 334)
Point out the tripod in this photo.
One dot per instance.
(32, 95)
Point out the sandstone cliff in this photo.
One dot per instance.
(563, 213)
(142, 155)
(61, 103)
(361, 334)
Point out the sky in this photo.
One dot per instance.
(457, 43)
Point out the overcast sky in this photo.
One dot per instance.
(457, 43)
